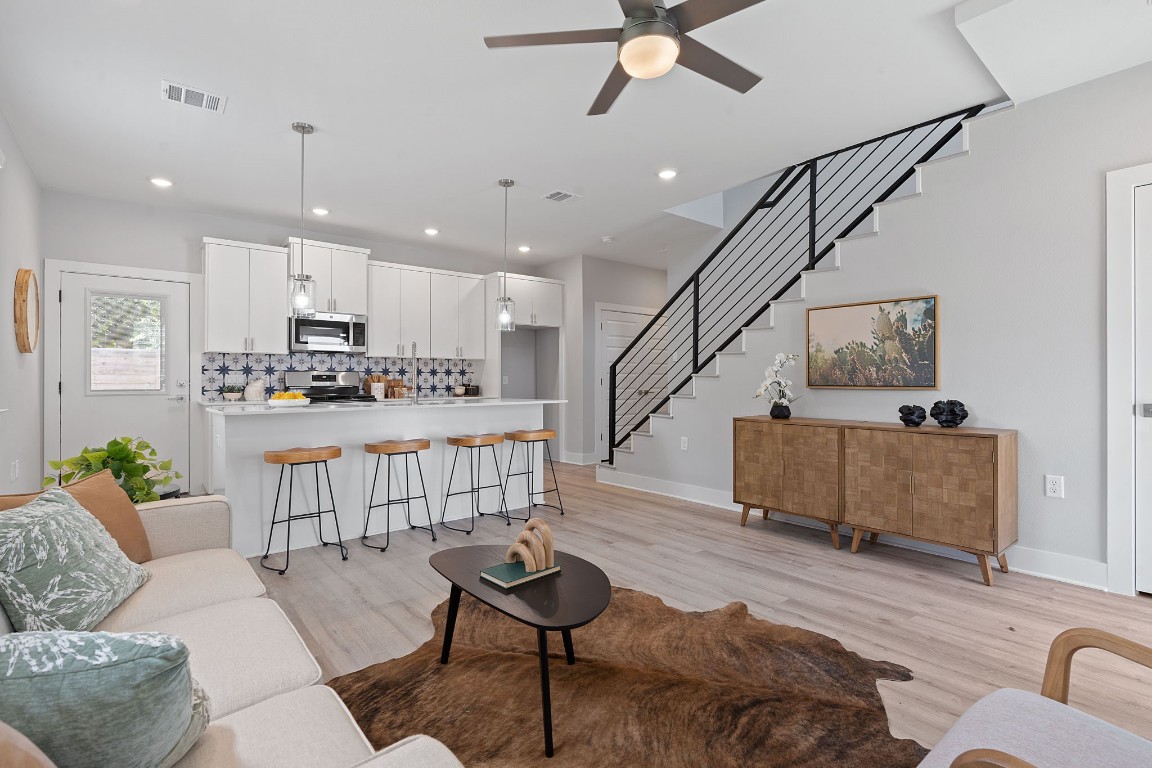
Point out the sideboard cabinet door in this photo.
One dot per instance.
(955, 491)
(878, 480)
(811, 484)
(758, 463)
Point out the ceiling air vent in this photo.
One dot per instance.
(193, 97)
(559, 196)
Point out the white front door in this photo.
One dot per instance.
(124, 365)
(1143, 371)
(614, 332)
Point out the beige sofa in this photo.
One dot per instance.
(261, 679)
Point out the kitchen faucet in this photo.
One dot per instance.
(415, 378)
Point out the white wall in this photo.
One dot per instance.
(96, 230)
(1012, 239)
(21, 375)
(571, 271)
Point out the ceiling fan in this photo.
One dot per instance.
(652, 40)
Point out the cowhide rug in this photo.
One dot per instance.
(652, 686)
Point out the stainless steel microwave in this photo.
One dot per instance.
(328, 332)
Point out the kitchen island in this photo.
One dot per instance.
(241, 432)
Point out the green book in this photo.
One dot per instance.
(510, 574)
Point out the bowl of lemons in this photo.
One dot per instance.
(287, 400)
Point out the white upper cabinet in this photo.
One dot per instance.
(457, 316)
(415, 312)
(340, 273)
(538, 303)
(399, 311)
(246, 298)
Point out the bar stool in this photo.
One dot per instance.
(474, 444)
(397, 448)
(530, 438)
(298, 457)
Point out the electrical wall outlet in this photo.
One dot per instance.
(1054, 486)
(14, 471)
(505, 380)
(683, 443)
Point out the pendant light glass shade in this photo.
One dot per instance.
(301, 286)
(505, 307)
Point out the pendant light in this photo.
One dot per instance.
(505, 307)
(302, 288)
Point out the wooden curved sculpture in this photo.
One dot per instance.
(533, 547)
(520, 551)
(545, 533)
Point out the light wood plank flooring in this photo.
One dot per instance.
(932, 614)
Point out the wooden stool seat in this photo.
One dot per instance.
(393, 447)
(302, 455)
(530, 435)
(475, 441)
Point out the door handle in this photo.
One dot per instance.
(1146, 410)
(178, 398)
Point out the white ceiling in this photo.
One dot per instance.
(416, 119)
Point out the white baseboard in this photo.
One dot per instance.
(1035, 562)
(583, 459)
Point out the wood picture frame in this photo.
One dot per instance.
(26, 310)
(888, 344)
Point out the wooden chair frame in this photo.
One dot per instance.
(1057, 678)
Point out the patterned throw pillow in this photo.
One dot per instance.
(102, 698)
(59, 568)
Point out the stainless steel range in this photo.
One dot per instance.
(327, 386)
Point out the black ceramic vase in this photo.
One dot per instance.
(912, 415)
(780, 412)
(949, 413)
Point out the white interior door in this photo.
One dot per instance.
(124, 364)
(616, 329)
(1143, 371)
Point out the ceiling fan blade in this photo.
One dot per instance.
(701, 59)
(555, 38)
(615, 83)
(693, 14)
(638, 9)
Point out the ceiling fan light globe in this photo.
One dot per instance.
(648, 49)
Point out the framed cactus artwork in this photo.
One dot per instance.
(874, 344)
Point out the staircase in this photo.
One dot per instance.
(807, 213)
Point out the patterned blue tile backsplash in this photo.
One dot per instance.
(437, 376)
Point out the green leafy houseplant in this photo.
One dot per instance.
(133, 463)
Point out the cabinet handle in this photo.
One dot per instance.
(911, 485)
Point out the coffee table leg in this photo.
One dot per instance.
(450, 625)
(567, 634)
(545, 692)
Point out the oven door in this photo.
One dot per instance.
(322, 333)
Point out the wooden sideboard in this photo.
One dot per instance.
(953, 487)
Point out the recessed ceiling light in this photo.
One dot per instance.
(524, 249)
(431, 231)
(667, 173)
(164, 183)
(320, 211)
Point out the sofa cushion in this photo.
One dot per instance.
(108, 503)
(307, 727)
(183, 583)
(59, 568)
(17, 751)
(100, 698)
(1041, 731)
(242, 652)
(414, 752)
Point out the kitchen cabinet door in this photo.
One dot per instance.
(415, 312)
(472, 318)
(445, 315)
(384, 337)
(268, 302)
(317, 263)
(226, 281)
(349, 282)
(547, 304)
(878, 480)
(520, 291)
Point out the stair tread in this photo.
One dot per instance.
(944, 159)
(898, 199)
(660, 416)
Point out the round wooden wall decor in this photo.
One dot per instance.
(26, 310)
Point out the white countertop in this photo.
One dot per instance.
(259, 409)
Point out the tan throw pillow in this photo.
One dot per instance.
(100, 495)
(16, 751)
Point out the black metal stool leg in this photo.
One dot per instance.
(424, 495)
(335, 516)
(555, 482)
(371, 504)
(288, 520)
(502, 484)
(448, 494)
(272, 525)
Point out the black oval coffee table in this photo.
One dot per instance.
(562, 602)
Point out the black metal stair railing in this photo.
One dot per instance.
(791, 228)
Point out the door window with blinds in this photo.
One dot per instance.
(126, 343)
